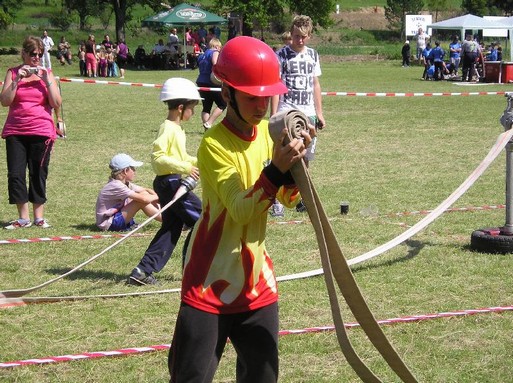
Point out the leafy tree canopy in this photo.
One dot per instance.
(488, 7)
(265, 11)
(396, 11)
(8, 10)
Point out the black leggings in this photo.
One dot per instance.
(32, 152)
(200, 338)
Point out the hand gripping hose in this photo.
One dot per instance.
(335, 265)
(187, 184)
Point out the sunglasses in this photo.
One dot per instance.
(34, 54)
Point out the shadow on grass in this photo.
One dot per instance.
(91, 275)
(414, 248)
(83, 226)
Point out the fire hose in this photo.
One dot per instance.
(335, 265)
(187, 184)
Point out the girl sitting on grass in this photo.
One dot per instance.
(120, 199)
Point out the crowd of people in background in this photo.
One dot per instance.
(109, 59)
(464, 60)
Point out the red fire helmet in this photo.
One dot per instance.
(251, 66)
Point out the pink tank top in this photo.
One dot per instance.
(30, 113)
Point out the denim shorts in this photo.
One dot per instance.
(118, 223)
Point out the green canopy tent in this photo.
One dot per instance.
(183, 15)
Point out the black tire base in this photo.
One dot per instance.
(490, 240)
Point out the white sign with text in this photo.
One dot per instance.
(414, 22)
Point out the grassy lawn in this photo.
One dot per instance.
(383, 155)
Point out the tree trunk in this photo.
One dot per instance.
(120, 13)
(247, 26)
(81, 22)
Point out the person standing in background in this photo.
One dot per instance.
(48, 45)
(91, 62)
(406, 52)
(31, 93)
(470, 51)
(421, 39)
(206, 61)
(107, 43)
(300, 69)
(454, 54)
(121, 57)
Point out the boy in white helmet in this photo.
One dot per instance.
(229, 286)
(171, 162)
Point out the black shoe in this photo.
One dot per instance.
(300, 207)
(140, 278)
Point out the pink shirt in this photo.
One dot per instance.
(30, 113)
(111, 199)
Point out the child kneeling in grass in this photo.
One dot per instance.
(120, 199)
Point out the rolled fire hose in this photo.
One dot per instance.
(335, 265)
(187, 184)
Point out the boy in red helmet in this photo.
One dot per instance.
(229, 287)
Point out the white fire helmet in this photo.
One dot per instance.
(179, 88)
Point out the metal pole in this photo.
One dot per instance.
(507, 122)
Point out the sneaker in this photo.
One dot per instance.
(277, 210)
(206, 126)
(300, 207)
(17, 224)
(42, 223)
(140, 278)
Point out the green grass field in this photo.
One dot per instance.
(383, 155)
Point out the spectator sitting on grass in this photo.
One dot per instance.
(120, 199)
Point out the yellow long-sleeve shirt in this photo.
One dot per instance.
(227, 268)
(169, 154)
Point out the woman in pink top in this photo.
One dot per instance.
(30, 91)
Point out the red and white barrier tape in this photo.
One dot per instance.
(66, 238)
(290, 222)
(420, 94)
(345, 94)
(160, 347)
(109, 82)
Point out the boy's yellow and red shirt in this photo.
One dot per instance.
(227, 268)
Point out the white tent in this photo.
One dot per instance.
(509, 24)
(472, 22)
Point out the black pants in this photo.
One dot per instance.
(32, 152)
(184, 211)
(200, 338)
(439, 70)
(469, 62)
(209, 97)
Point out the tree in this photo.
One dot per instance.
(122, 12)
(262, 12)
(396, 11)
(84, 9)
(475, 7)
(437, 6)
(319, 11)
(8, 10)
(504, 5)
